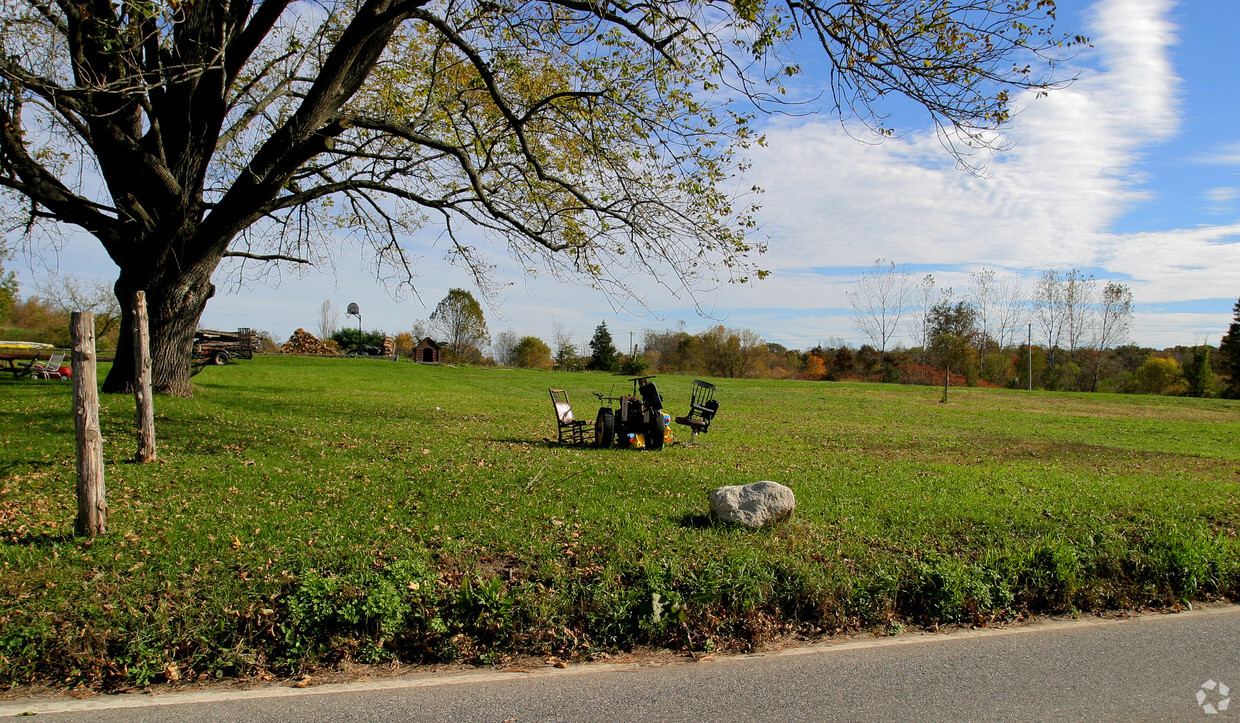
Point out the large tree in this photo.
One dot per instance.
(1229, 355)
(594, 139)
(461, 326)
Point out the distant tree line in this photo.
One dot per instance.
(1069, 332)
(1079, 326)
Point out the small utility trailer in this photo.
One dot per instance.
(218, 347)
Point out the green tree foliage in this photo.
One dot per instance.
(8, 289)
(1197, 372)
(347, 338)
(532, 353)
(1229, 355)
(603, 355)
(459, 323)
(566, 357)
(952, 331)
(635, 365)
(1158, 375)
(586, 137)
(842, 361)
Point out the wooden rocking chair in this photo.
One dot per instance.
(571, 430)
(702, 409)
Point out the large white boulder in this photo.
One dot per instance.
(753, 505)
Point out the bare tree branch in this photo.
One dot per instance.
(264, 257)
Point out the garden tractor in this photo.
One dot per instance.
(633, 420)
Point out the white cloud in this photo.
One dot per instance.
(1222, 194)
(1220, 200)
(1049, 201)
(1228, 154)
(1178, 265)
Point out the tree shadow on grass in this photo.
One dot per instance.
(540, 441)
(11, 467)
(35, 539)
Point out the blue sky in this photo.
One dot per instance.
(1132, 172)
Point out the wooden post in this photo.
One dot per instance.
(947, 377)
(142, 380)
(92, 516)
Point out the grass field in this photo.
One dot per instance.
(307, 511)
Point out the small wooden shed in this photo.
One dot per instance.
(426, 352)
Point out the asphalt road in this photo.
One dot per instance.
(1146, 668)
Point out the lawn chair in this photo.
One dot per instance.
(702, 409)
(574, 430)
(49, 369)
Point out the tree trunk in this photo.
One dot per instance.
(92, 518)
(176, 302)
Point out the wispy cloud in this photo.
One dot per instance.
(1227, 154)
(1222, 199)
(1222, 194)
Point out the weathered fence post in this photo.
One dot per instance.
(142, 380)
(92, 498)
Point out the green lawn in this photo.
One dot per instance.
(306, 511)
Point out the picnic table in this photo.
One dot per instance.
(12, 363)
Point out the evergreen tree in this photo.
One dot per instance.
(566, 357)
(1229, 356)
(603, 351)
(347, 339)
(1197, 372)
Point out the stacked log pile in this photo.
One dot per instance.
(389, 346)
(303, 342)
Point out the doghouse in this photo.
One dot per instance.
(426, 352)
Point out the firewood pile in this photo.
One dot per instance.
(389, 346)
(303, 342)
